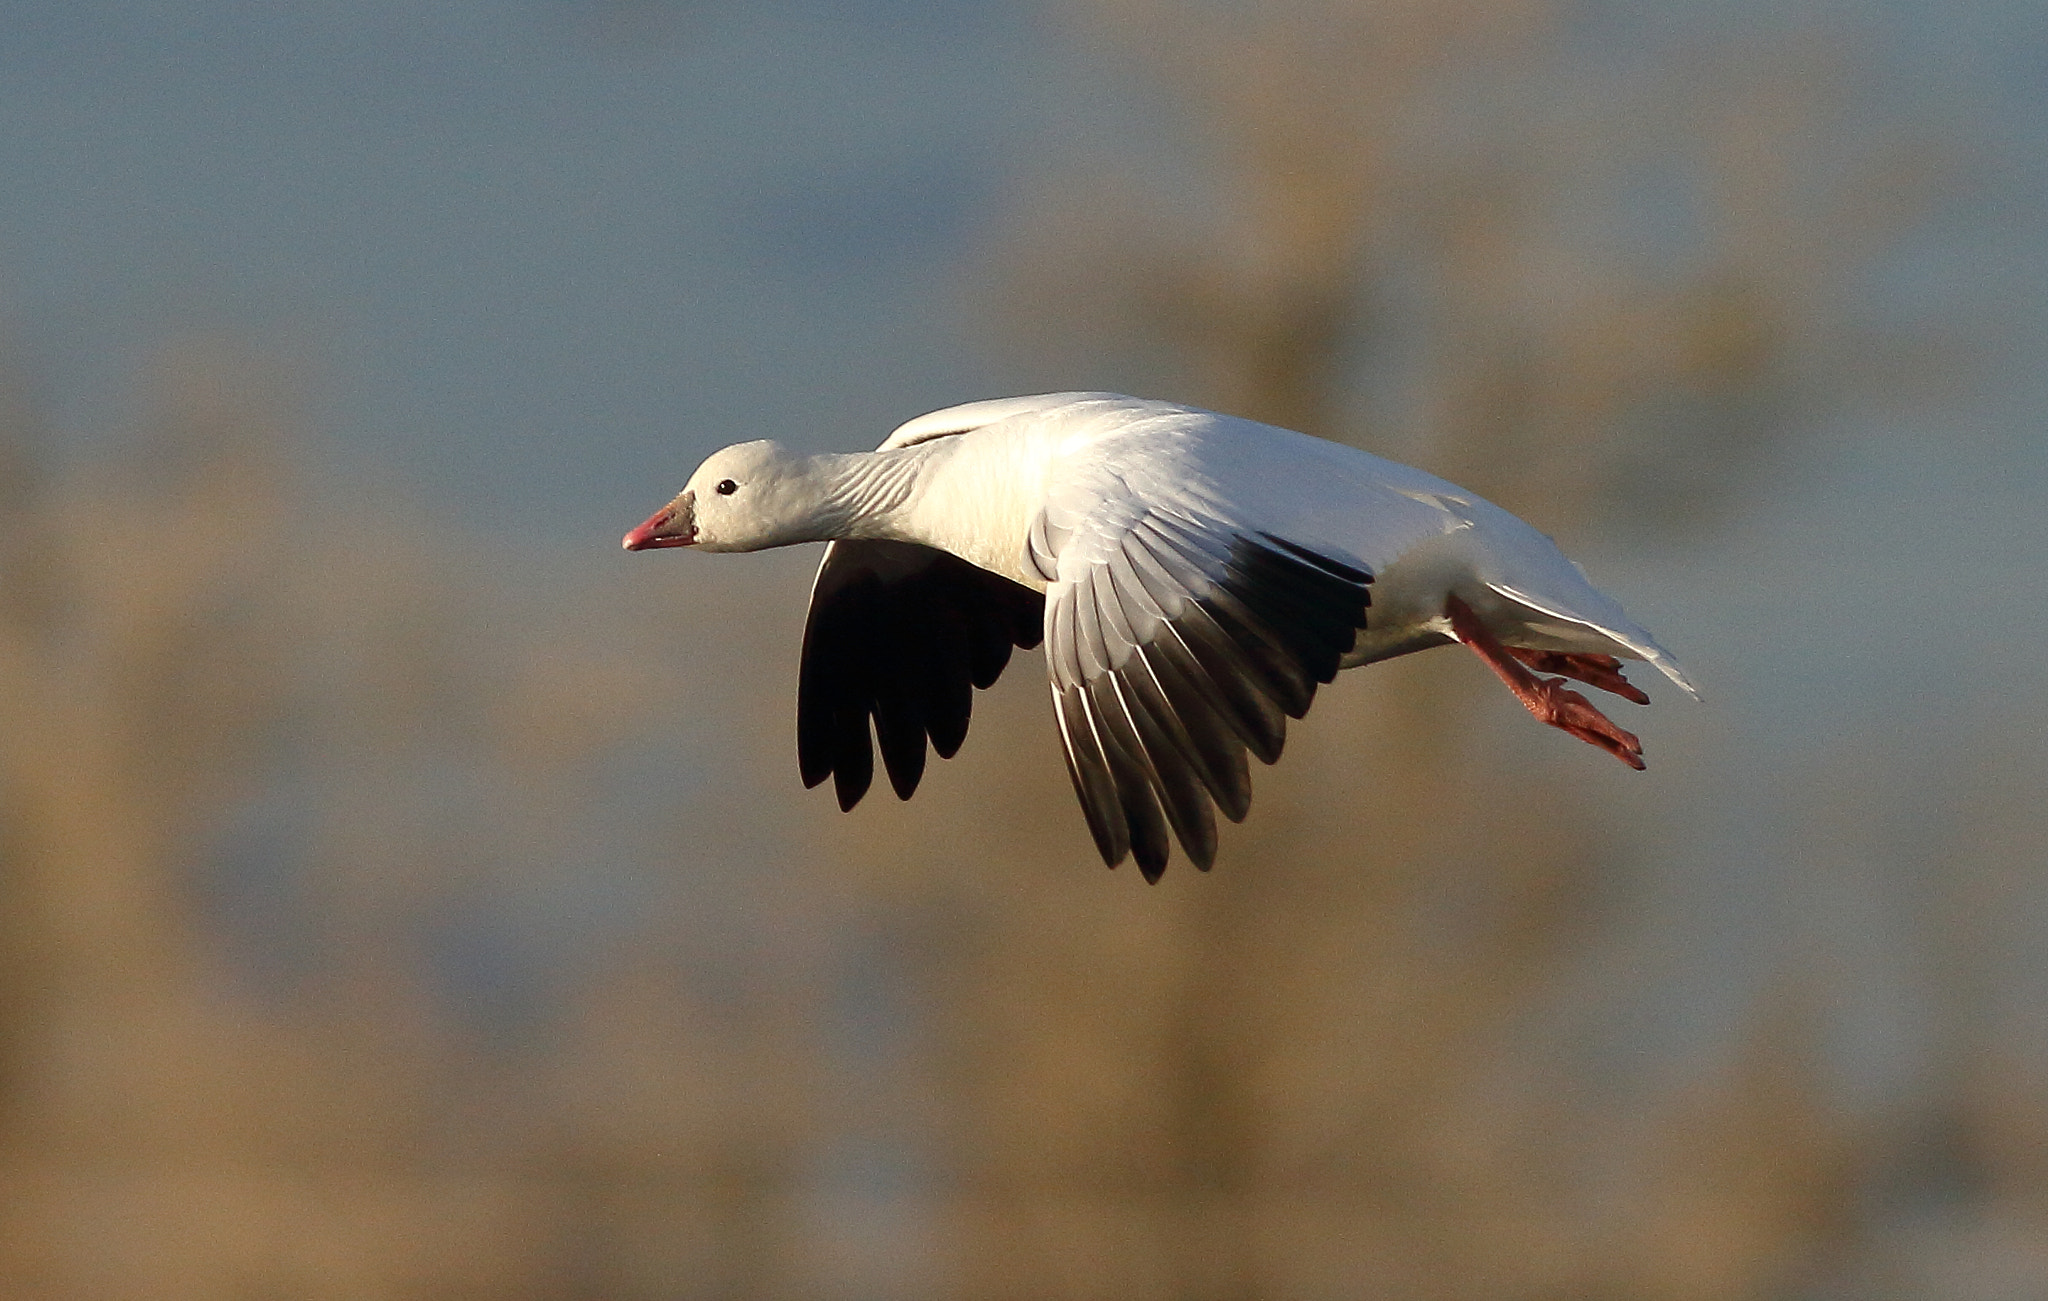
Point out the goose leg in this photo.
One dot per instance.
(1548, 698)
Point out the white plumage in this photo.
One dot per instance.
(1194, 576)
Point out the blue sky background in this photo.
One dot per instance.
(535, 257)
(529, 254)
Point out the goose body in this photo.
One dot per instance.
(1193, 576)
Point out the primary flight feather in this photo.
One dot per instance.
(1194, 578)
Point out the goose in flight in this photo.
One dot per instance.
(1194, 577)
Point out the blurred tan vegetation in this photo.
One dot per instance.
(385, 919)
(238, 714)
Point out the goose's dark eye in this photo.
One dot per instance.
(726, 488)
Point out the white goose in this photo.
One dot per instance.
(1193, 577)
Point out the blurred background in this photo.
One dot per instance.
(403, 894)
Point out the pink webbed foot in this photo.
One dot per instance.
(1561, 707)
(1548, 698)
(1602, 671)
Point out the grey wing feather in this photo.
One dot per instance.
(1172, 657)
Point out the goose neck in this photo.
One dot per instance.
(869, 493)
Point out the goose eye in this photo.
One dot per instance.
(726, 488)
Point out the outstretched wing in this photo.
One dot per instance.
(1175, 645)
(902, 634)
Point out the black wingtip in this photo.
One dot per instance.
(904, 779)
(1151, 848)
(849, 784)
(898, 636)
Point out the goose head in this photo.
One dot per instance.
(743, 498)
